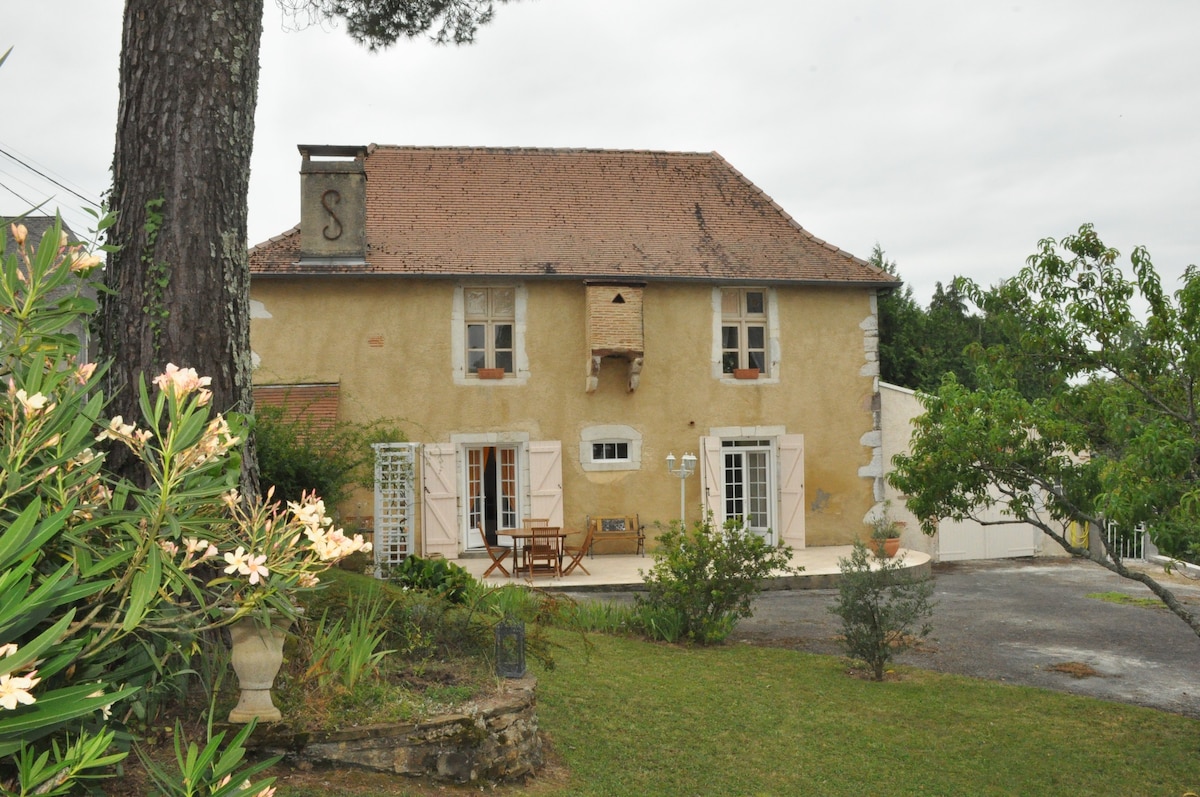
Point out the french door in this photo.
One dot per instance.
(492, 492)
(749, 487)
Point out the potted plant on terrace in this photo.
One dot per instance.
(885, 533)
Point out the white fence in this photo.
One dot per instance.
(1126, 546)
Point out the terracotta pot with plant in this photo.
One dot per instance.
(885, 533)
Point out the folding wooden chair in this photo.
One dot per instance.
(575, 553)
(544, 547)
(497, 553)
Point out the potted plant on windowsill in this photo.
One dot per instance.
(885, 534)
(745, 373)
(490, 373)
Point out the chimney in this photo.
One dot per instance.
(333, 204)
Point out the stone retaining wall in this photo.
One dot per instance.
(495, 739)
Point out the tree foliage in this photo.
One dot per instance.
(1111, 435)
(179, 276)
(706, 578)
(378, 24)
(297, 455)
(883, 608)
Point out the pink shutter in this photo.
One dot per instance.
(439, 514)
(791, 490)
(711, 479)
(545, 481)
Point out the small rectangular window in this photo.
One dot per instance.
(609, 452)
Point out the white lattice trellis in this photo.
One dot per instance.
(395, 513)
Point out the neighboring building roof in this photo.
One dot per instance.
(585, 214)
(35, 228)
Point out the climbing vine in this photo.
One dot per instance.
(157, 274)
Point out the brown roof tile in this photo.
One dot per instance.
(592, 214)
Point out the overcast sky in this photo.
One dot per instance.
(954, 134)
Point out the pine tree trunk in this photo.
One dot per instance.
(181, 172)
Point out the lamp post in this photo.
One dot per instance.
(687, 467)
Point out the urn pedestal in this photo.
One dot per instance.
(257, 656)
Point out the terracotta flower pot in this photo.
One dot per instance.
(490, 373)
(745, 373)
(884, 549)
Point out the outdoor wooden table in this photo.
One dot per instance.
(522, 538)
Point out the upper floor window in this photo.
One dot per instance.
(490, 315)
(744, 329)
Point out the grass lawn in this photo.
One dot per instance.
(640, 719)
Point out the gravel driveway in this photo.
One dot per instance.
(1013, 620)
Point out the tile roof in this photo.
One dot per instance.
(589, 214)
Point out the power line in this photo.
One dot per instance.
(45, 176)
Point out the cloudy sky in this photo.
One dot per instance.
(956, 135)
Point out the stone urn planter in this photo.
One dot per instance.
(256, 656)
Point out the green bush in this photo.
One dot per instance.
(438, 576)
(883, 608)
(297, 455)
(704, 580)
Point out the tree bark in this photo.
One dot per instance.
(181, 171)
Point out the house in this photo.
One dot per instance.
(550, 324)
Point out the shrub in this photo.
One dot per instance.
(883, 609)
(704, 580)
(296, 455)
(438, 576)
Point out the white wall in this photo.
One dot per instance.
(899, 406)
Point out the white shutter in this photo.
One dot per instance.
(439, 490)
(711, 479)
(545, 481)
(791, 490)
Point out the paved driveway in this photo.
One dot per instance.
(1012, 620)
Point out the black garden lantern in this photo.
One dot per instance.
(510, 648)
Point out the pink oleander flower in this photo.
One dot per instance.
(84, 372)
(308, 580)
(19, 233)
(106, 710)
(83, 263)
(117, 430)
(180, 382)
(257, 568)
(35, 404)
(8, 649)
(194, 545)
(237, 562)
(168, 547)
(14, 689)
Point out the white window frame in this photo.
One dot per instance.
(771, 333)
(458, 337)
(610, 433)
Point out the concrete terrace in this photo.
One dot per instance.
(614, 573)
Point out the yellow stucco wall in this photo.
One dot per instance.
(387, 342)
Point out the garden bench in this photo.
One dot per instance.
(616, 527)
